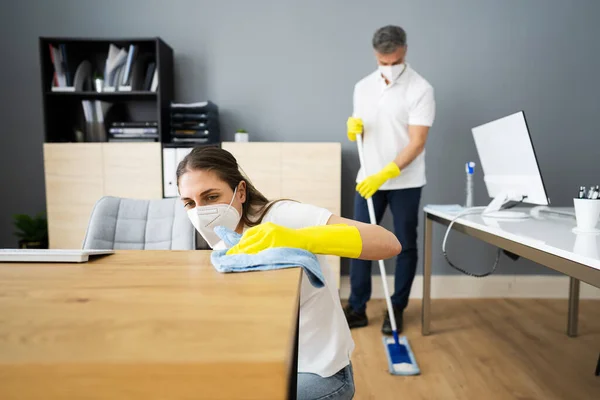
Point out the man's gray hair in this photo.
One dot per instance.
(388, 39)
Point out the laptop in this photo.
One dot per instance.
(49, 255)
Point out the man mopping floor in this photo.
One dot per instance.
(401, 360)
(394, 108)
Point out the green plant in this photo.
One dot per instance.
(241, 131)
(31, 229)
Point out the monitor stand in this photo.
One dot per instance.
(494, 209)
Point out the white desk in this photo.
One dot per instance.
(548, 240)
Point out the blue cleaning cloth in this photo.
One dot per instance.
(274, 258)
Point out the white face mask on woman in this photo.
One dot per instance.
(206, 218)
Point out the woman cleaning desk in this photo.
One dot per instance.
(216, 193)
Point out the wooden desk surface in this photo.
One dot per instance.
(145, 324)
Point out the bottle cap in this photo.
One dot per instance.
(470, 167)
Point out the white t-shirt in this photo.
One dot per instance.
(324, 342)
(387, 111)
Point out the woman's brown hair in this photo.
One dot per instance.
(224, 164)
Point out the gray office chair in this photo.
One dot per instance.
(130, 224)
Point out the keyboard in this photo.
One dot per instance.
(50, 255)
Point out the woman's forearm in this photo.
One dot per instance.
(377, 242)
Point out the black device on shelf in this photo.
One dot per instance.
(137, 86)
(195, 123)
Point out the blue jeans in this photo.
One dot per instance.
(336, 387)
(404, 204)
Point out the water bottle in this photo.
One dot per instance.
(470, 170)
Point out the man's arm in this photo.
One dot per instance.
(420, 119)
(418, 137)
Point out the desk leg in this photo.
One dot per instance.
(426, 304)
(573, 306)
(293, 379)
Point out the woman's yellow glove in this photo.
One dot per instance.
(355, 127)
(367, 187)
(337, 240)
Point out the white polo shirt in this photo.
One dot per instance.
(387, 111)
(324, 341)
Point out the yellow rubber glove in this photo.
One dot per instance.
(337, 240)
(355, 127)
(367, 187)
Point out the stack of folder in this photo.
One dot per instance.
(195, 123)
(133, 132)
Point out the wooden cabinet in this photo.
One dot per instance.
(79, 174)
(132, 170)
(74, 183)
(312, 173)
(307, 172)
(261, 163)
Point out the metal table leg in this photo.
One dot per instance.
(426, 304)
(573, 307)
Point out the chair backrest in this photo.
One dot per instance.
(131, 224)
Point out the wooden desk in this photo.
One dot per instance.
(147, 325)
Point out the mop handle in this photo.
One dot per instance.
(386, 291)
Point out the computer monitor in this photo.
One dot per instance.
(510, 167)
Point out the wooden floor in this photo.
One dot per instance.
(484, 350)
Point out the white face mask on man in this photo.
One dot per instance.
(206, 218)
(392, 72)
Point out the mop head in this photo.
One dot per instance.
(401, 360)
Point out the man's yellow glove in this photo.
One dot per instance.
(337, 240)
(355, 127)
(367, 187)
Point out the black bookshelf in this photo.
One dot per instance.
(63, 110)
